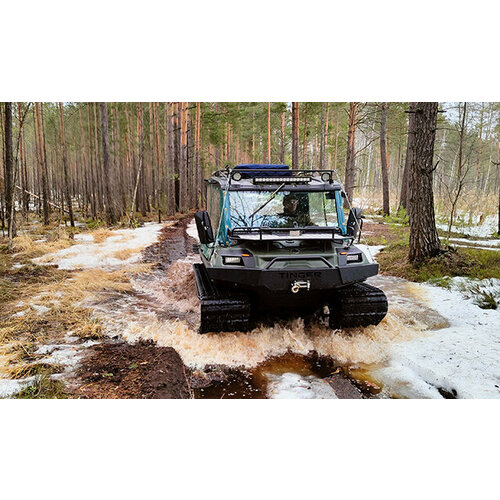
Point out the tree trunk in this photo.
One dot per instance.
(25, 199)
(282, 155)
(98, 165)
(156, 116)
(304, 141)
(403, 199)
(460, 175)
(383, 159)
(268, 132)
(182, 157)
(424, 239)
(9, 173)
(43, 162)
(140, 140)
(110, 212)
(65, 168)
(322, 144)
(350, 172)
(480, 145)
(295, 135)
(198, 173)
(170, 158)
(498, 177)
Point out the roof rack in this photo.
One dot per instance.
(272, 172)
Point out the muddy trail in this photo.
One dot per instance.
(160, 311)
(139, 290)
(293, 358)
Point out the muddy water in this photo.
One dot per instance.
(255, 364)
(257, 382)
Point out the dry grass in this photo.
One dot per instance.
(124, 254)
(101, 234)
(26, 247)
(63, 293)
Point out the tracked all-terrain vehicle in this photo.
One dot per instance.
(276, 239)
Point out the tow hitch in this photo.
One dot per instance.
(297, 285)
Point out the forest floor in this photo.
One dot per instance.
(113, 314)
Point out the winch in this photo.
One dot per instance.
(298, 285)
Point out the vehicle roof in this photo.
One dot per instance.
(277, 175)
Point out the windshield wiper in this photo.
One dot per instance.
(268, 200)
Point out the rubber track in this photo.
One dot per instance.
(357, 305)
(219, 311)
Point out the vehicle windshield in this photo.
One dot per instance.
(284, 209)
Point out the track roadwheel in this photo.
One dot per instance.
(357, 305)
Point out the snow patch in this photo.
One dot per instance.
(106, 255)
(463, 359)
(8, 387)
(490, 243)
(492, 249)
(61, 354)
(295, 386)
(485, 292)
(370, 250)
(40, 310)
(479, 228)
(84, 237)
(192, 230)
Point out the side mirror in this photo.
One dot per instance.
(204, 226)
(354, 222)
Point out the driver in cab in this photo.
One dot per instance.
(291, 216)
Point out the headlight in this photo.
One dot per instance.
(354, 257)
(233, 261)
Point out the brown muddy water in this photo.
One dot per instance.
(288, 358)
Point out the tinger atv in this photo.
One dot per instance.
(272, 239)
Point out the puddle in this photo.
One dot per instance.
(289, 376)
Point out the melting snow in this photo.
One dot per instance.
(490, 243)
(463, 359)
(476, 289)
(40, 310)
(370, 250)
(295, 386)
(192, 230)
(88, 255)
(9, 386)
(84, 237)
(63, 354)
(484, 229)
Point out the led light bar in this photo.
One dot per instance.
(279, 180)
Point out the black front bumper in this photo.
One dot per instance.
(281, 280)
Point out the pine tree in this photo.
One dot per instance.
(383, 159)
(295, 135)
(350, 172)
(424, 239)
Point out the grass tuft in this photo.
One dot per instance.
(101, 234)
(44, 387)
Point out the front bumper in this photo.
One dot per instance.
(281, 280)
